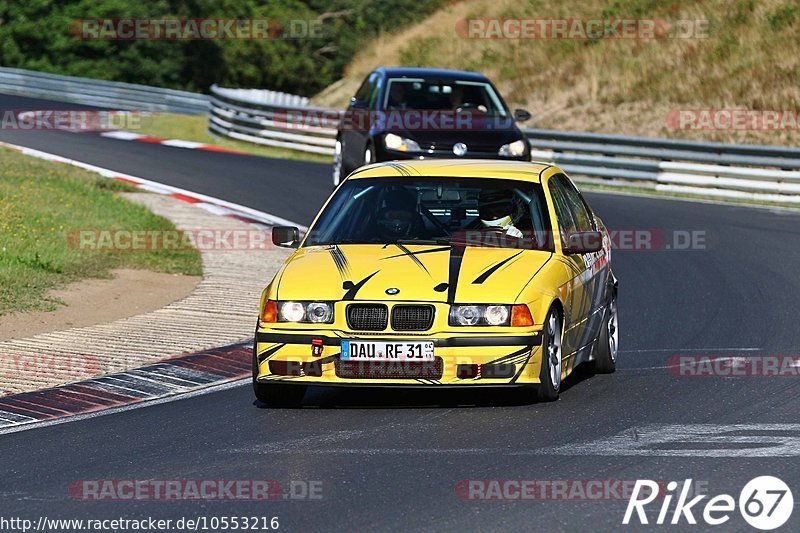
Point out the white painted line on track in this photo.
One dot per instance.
(179, 143)
(692, 440)
(671, 350)
(123, 135)
(178, 395)
(678, 365)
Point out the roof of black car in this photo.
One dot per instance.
(411, 72)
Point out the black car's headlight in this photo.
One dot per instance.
(400, 144)
(313, 312)
(490, 315)
(515, 149)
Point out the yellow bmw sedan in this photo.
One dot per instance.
(440, 273)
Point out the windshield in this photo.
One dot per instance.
(467, 211)
(444, 95)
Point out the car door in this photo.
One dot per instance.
(572, 292)
(594, 272)
(355, 130)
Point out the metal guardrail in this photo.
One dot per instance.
(768, 173)
(271, 118)
(101, 93)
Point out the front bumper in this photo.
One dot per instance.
(460, 360)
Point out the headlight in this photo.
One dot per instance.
(319, 312)
(496, 315)
(515, 149)
(315, 312)
(400, 144)
(292, 312)
(465, 315)
(479, 315)
(490, 315)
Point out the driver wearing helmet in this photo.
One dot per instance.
(495, 211)
(398, 216)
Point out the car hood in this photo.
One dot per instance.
(427, 273)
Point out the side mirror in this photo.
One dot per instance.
(285, 236)
(583, 242)
(521, 115)
(357, 104)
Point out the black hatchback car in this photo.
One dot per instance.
(419, 113)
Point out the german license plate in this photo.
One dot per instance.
(387, 351)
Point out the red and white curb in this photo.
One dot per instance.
(175, 143)
(209, 203)
(156, 383)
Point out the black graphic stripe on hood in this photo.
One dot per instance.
(353, 288)
(266, 354)
(340, 260)
(456, 258)
(402, 169)
(410, 255)
(491, 270)
(418, 252)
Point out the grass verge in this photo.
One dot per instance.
(195, 128)
(40, 204)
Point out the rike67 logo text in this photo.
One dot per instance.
(765, 503)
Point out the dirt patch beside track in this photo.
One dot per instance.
(95, 301)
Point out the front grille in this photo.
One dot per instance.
(390, 369)
(367, 317)
(412, 317)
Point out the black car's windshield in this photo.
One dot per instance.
(468, 211)
(443, 95)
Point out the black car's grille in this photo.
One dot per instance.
(367, 317)
(412, 317)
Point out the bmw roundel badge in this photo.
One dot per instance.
(392, 291)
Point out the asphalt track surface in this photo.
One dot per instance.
(393, 459)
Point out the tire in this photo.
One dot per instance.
(276, 394)
(605, 354)
(338, 164)
(552, 358)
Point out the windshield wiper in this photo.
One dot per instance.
(444, 242)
